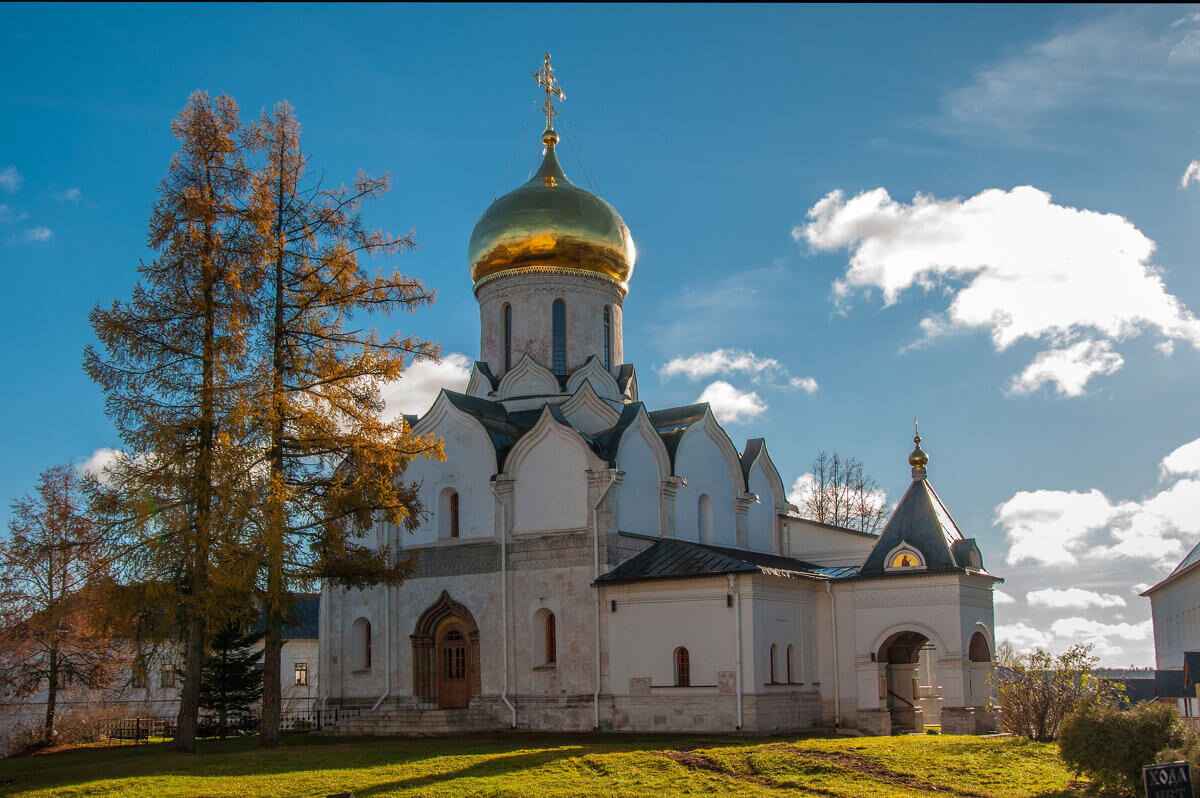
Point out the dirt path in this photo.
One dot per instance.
(855, 763)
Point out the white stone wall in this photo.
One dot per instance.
(550, 480)
(468, 468)
(825, 545)
(1175, 609)
(761, 522)
(701, 461)
(532, 296)
(638, 494)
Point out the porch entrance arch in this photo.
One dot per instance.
(909, 685)
(445, 647)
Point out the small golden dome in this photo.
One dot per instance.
(550, 224)
(918, 459)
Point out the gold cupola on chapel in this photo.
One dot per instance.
(549, 224)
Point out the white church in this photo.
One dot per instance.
(588, 562)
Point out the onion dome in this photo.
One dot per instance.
(918, 459)
(551, 225)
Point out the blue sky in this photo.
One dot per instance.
(1044, 336)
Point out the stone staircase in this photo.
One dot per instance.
(415, 722)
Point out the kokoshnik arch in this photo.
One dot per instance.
(589, 563)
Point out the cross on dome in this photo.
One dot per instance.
(545, 78)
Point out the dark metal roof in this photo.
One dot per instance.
(670, 558)
(672, 422)
(1169, 684)
(754, 448)
(302, 621)
(609, 440)
(624, 375)
(921, 521)
(1137, 690)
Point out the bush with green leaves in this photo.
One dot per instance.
(1110, 745)
(1036, 691)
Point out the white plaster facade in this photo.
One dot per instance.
(576, 542)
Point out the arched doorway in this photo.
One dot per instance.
(445, 648)
(453, 683)
(908, 681)
(979, 653)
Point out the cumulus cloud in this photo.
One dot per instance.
(1125, 60)
(98, 462)
(1057, 527)
(1022, 636)
(802, 488)
(10, 179)
(38, 235)
(1184, 460)
(806, 384)
(1068, 368)
(721, 361)
(999, 597)
(1072, 597)
(1139, 588)
(415, 391)
(1014, 264)
(731, 405)
(70, 195)
(1190, 175)
(1089, 630)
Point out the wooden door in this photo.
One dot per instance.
(454, 672)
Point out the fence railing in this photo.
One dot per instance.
(139, 731)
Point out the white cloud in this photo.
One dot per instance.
(1190, 175)
(415, 391)
(70, 195)
(1124, 60)
(731, 405)
(10, 178)
(1090, 631)
(721, 361)
(7, 214)
(38, 235)
(1050, 527)
(801, 489)
(96, 464)
(1072, 597)
(1014, 264)
(1184, 460)
(1069, 368)
(1022, 636)
(1000, 597)
(1139, 588)
(1056, 527)
(806, 384)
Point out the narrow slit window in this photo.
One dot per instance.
(789, 664)
(774, 653)
(551, 641)
(454, 514)
(507, 337)
(607, 338)
(559, 319)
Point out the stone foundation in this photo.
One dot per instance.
(958, 720)
(874, 721)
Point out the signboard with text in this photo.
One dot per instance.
(1168, 780)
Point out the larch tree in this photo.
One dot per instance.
(172, 371)
(335, 463)
(52, 569)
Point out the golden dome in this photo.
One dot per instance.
(550, 224)
(918, 459)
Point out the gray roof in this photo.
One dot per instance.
(672, 422)
(921, 521)
(1169, 684)
(671, 558)
(303, 619)
(1137, 689)
(1191, 667)
(1186, 564)
(486, 371)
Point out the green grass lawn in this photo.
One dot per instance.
(547, 766)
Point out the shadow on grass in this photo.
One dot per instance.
(505, 753)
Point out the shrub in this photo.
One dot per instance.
(1110, 745)
(1037, 690)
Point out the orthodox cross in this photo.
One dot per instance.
(545, 78)
(916, 429)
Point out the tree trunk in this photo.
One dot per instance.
(269, 717)
(51, 697)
